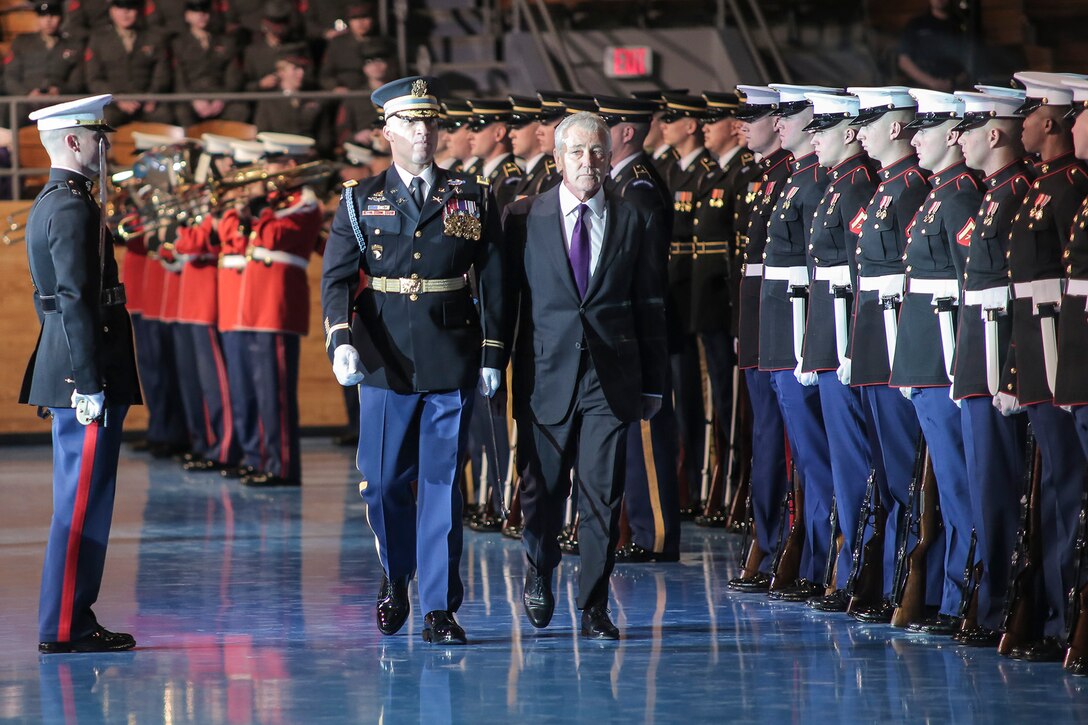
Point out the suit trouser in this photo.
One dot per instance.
(272, 360)
(1060, 488)
(897, 430)
(770, 479)
(243, 398)
(405, 437)
(808, 441)
(994, 448)
(211, 373)
(201, 437)
(84, 480)
(848, 442)
(943, 429)
(593, 441)
(158, 378)
(651, 492)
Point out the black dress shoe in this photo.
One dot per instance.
(201, 465)
(267, 480)
(937, 624)
(100, 640)
(715, 519)
(238, 471)
(1047, 649)
(977, 637)
(597, 625)
(800, 591)
(836, 601)
(634, 554)
(439, 627)
(755, 584)
(1078, 667)
(393, 605)
(512, 531)
(537, 597)
(485, 523)
(568, 540)
(880, 613)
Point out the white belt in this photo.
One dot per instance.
(796, 276)
(232, 261)
(268, 256)
(1077, 287)
(888, 285)
(753, 270)
(992, 303)
(1040, 291)
(994, 298)
(937, 287)
(1043, 293)
(838, 276)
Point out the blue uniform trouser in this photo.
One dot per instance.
(940, 421)
(158, 378)
(770, 480)
(243, 399)
(211, 372)
(848, 442)
(188, 384)
(1060, 494)
(651, 489)
(808, 441)
(273, 363)
(994, 448)
(687, 384)
(84, 479)
(1080, 419)
(897, 431)
(405, 437)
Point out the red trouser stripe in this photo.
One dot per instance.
(75, 533)
(226, 437)
(285, 438)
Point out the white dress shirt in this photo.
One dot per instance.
(725, 158)
(594, 217)
(686, 161)
(622, 164)
(427, 175)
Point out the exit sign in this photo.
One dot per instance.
(628, 61)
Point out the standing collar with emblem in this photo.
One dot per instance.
(1005, 174)
(1058, 163)
(847, 165)
(805, 162)
(948, 175)
(898, 168)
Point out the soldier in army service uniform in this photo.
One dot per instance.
(46, 63)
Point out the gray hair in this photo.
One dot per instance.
(585, 121)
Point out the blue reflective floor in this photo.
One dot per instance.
(258, 607)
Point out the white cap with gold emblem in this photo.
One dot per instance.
(84, 112)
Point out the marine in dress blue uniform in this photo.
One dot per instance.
(937, 244)
(993, 443)
(781, 326)
(755, 204)
(83, 372)
(1040, 233)
(415, 342)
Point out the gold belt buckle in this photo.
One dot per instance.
(410, 286)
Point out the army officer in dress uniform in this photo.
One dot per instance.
(83, 372)
(415, 344)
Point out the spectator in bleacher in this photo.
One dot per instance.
(45, 63)
(169, 17)
(357, 115)
(288, 114)
(932, 49)
(128, 59)
(341, 69)
(326, 19)
(245, 19)
(205, 62)
(85, 18)
(259, 61)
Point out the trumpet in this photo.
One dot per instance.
(15, 226)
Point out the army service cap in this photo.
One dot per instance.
(615, 110)
(411, 97)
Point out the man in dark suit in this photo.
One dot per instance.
(416, 343)
(589, 360)
(83, 372)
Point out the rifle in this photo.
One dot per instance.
(866, 583)
(1020, 620)
(911, 596)
(907, 521)
(1076, 657)
(787, 565)
(739, 470)
(972, 575)
(833, 550)
(713, 513)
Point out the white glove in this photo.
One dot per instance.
(1066, 408)
(88, 407)
(843, 373)
(907, 393)
(1007, 404)
(959, 403)
(651, 405)
(806, 379)
(489, 381)
(346, 365)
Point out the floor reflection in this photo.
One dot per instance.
(257, 607)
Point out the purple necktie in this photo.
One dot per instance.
(579, 251)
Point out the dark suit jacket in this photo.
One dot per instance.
(621, 318)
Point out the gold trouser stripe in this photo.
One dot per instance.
(652, 485)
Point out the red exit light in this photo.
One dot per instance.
(628, 61)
